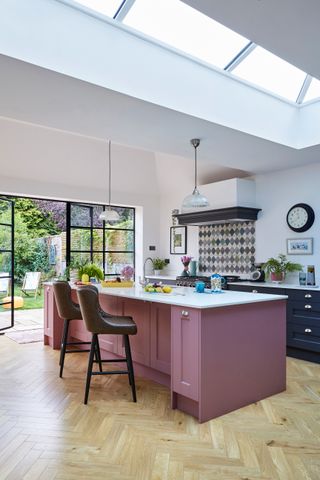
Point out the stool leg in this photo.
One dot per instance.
(63, 345)
(98, 354)
(130, 366)
(90, 364)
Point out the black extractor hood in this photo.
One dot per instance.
(219, 215)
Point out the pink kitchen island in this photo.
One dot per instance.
(215, 352)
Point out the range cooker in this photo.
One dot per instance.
(190, 281)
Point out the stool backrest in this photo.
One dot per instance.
(67, 309)
(90, 308)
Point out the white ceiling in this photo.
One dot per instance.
(288, 28)
(43, 97)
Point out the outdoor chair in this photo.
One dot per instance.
(31, 283)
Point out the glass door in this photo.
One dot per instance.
(6, 263)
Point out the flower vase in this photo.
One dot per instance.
(185, 272)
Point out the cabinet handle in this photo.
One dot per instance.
(185, 313)
(254, 291)
(308, 330)
(308, 307)
(308, 295)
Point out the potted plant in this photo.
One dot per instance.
(158, 265)
(278, 267)
(90, 270)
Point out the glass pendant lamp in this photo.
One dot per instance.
(109, 215)
(195, 200)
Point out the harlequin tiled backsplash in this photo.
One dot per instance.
(227, 248)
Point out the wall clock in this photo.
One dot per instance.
(300, 217)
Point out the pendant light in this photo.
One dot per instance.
(109, 215)
(195, 200)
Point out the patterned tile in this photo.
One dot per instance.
(227, 248)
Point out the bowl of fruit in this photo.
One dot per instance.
(157, 288)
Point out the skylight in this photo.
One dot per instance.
(182, 27)
(106, 7)
(313, 91)
(272, 73)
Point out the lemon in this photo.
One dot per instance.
(166, 289)
(159, 289)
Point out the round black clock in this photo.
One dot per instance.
(300, 217)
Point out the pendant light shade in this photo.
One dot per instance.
(195, 200)
(109, 215)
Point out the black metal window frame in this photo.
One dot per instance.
(91, 228)
(11, 273)
(68, 225)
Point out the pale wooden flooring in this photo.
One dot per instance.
(47, 433)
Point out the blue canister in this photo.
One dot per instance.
(199, 287)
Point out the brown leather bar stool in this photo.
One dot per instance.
(97, 321)
(68, 311)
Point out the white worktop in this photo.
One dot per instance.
(276, 285)
(161, 277)
(187, 297)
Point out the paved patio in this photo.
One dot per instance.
(25, 319)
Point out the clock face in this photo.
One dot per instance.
(300, 217)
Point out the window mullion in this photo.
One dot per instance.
(123, 10)
(240, 57)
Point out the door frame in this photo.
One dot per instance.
(11, 273)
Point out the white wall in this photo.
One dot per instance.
(175, 178)
(276, 193)
(48, 163)
(42, 162)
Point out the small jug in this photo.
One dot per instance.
(216, 283)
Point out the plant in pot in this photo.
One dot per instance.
(90, 270)
(158, 265)
(277, 267)
(72, 271)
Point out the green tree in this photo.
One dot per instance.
(38, 223)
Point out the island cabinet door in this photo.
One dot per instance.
(185, 324)
(160, 351)
(140, 343)
(110, 305)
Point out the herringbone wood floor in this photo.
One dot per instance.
(47, 433)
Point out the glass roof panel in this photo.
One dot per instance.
(182, 27)
(272, 73)
(313, 90)
(106, 7)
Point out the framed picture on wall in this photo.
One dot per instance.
(178, 240)
(299, 246)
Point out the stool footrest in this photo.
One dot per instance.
(76, 351)
(111, 360)
(78, 343)
(111, 372)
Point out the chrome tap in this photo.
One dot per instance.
(144, 269)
